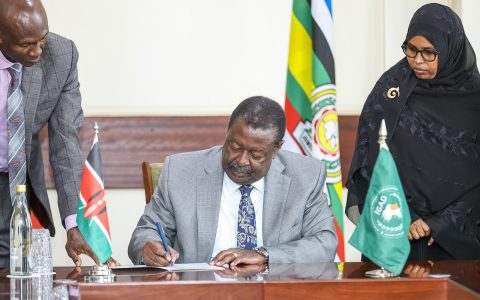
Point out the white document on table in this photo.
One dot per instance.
(173, 268)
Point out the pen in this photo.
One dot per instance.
(164, 239)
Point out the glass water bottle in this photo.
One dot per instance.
(20, 235)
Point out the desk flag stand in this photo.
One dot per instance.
(92, 218)
(100, 274)
(380, 273)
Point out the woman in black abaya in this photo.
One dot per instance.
(430, 101)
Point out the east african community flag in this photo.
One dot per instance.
(92, 218)
(312, 121)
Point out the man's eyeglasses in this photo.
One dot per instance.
(427, 54)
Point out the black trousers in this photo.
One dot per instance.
(5, 215)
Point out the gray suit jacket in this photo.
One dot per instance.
(297, 223)
(51, 95)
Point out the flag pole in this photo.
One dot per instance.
(95, 138)
(382, 272)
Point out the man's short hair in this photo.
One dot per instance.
(263, 113)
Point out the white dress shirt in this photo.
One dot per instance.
(226, 236)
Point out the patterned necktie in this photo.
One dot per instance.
(247, 229)
(16, 131)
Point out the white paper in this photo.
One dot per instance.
(174, 268)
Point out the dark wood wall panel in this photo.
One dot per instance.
(347, 126)
(127, 141)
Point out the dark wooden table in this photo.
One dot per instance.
(285, 281)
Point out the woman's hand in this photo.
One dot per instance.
(418, 230)
(416, 270)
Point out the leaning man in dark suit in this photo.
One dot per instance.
(246, 202)
(38, 86)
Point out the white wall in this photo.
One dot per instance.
(150, 57)
(359, 55)
(470, 16)
(159, 57)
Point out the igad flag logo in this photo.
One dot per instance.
(386, 213)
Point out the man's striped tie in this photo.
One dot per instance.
(16, 131)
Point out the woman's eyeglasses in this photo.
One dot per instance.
(427, 54)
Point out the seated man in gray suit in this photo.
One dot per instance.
(246, 202)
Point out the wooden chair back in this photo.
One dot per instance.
(151, 174)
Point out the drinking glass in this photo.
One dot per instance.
(64, 289)
(41, 286)
(41, 252)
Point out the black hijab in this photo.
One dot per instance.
(457, 65)
(433, 125)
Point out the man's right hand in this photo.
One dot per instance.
(77, 245)
(154, 254)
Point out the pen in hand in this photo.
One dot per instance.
(164, 241)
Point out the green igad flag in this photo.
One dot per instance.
(382, 232)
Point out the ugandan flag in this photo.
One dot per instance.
(312, 120)
(92, 218)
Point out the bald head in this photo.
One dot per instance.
(23, 30)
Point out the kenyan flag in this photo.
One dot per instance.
(92, 218)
